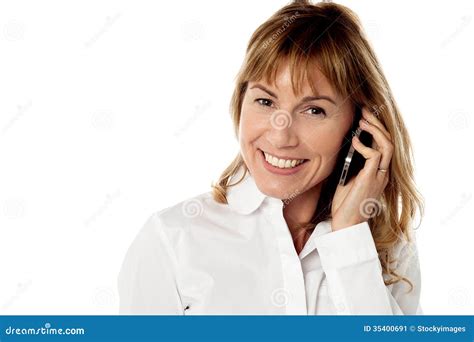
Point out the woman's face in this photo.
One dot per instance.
(300, 136)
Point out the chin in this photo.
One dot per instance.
(274, 188)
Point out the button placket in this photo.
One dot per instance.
(293, 291)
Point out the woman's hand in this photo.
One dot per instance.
(358, 200)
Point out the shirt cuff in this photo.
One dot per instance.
(347, 246)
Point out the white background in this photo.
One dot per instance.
(112, 110)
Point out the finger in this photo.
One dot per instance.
(373, 120)
(384, 145)
(372, 157)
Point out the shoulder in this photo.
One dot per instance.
(189, 215)
(191, 211)
(164, 228)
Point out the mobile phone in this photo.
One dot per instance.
(350, 162)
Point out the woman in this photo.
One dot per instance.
(277, 234)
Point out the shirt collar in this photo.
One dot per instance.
(246, 197)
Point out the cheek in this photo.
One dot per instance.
(246, 134)
(251, 126)
(327, 144)
(327, 138)
(244, 127)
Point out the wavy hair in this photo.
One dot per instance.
(330, 36)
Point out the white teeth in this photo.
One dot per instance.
(282, 163)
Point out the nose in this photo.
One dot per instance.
(281, 131)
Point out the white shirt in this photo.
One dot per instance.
(200, 257)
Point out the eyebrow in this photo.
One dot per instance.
(305, 99)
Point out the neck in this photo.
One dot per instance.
(298, 212)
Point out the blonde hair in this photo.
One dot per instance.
(330, 36)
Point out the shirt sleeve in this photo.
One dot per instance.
(147, 279)
(354, 274)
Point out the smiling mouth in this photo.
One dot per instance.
(282, 163)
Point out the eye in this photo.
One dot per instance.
(316, 111)
(264, 102)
